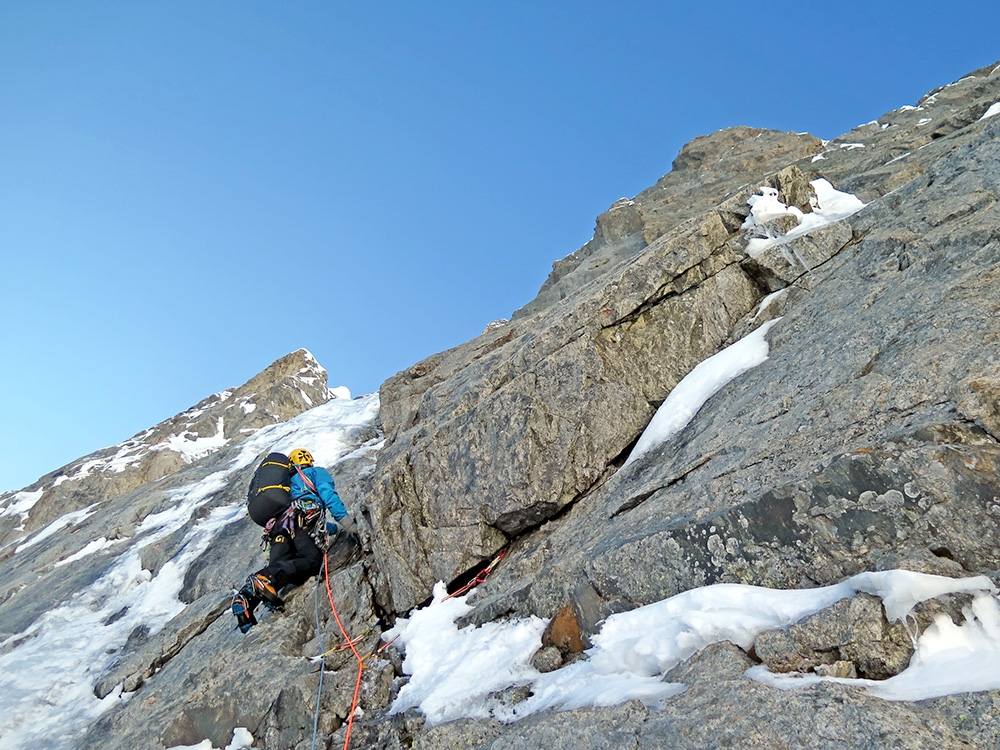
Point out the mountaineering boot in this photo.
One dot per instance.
(262, 587)
(243, 607)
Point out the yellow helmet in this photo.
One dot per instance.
(301, 457)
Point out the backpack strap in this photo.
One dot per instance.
(306, 481)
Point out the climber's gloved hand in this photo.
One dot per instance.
(347, 525)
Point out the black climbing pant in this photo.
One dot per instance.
(293, 560)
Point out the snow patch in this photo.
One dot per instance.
(993, 111)
(95, 546)
(699, 385)
(242, 739)
(453, 672)
(69, 519)
(830, 205)
(634, 650)
(21, 503)
(192, 446)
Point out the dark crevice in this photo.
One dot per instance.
(657, 297)
(472, 573)
(856, 238)
(634, 502)
(974, 426)
(527, 530)
(670, 289)
(618, 461)
(386, 619)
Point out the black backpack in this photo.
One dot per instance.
(268, 496)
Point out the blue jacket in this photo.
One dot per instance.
(327, 494)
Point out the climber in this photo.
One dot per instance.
(298, 536)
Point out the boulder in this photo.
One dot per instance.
(852, 638)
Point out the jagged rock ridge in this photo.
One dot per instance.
(287, 387)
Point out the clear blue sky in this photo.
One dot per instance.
(190, 190)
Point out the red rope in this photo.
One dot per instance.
(483, 574)
(347, 638)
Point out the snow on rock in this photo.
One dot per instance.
(453, 672)
(830, 205)
(69, 519)
(242, 739)
(96, 545)
(699, 385)
(191, 446)
(769, 300)
(341, 391)
(991, 112)
(21, 503)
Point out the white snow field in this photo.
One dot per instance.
(453, 671)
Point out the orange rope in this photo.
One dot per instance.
(347, 639)
(349, 642)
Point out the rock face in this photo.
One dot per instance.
(707, 170)
(869, 439)
(886, 317)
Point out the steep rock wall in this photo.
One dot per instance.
(490, 440)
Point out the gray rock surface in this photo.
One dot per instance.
(852, 635)
(867, 441)
(494, 438)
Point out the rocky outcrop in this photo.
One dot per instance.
(852, 639)
(708, 170)
(525, 424)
